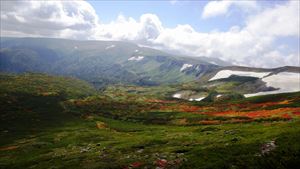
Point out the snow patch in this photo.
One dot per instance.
(136, 51)
(111, 46)
(185, 66)
(177, 95)
(136, 58)
(227, 73)
(213, 63)
(286, 82)
(198, 99)
(75, 47)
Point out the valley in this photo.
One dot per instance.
(143, 84)
(65, 123)
(112, 105)
(164, 84)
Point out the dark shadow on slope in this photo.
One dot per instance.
(25, 114)
(236, 155)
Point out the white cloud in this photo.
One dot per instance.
(147, 28)
(233, 45)
(173, 2)
(282, 20)
(215, 8)
(252, 45)
(47, 18)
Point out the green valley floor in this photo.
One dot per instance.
(57, 122)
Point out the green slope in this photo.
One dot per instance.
(47, 122)
(32, 102)
(99, 62)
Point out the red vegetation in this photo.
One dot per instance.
(296, 113)
(136, 164)
(281, 112)
(186, 108)
(161, 163)
(286, 116)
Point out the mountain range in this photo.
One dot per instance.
(150, 109)
(102, 63)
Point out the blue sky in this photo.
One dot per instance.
(170, 15)
(184, 12)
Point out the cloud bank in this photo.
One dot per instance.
(72, 19)
(215, 8)
(250, 45)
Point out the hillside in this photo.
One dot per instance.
(32, 102)
(64, 123)
(161, 84)
(151, 109)
(100, 62)
(237, 81)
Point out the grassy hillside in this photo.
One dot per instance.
(32, 102)
(58, 122)
(44, 85)
(99, 62)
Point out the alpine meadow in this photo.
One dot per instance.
(165, 84)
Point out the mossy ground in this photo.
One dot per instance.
(139, 127)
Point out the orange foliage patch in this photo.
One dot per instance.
(284, 102)
(9, 148)
(182, 122)
(100, 125)
(271, 103)
(249, 106)
(234, 109)
(178, 107)
(47, 93)
(160, 101)
(208, 122)
(262, 113)
(286, 116)
(89, 117)
(239, 120)
(281, 112)
(186, 108)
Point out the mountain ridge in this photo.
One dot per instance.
(110, 62)
(107, 61)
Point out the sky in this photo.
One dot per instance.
(247, 33)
